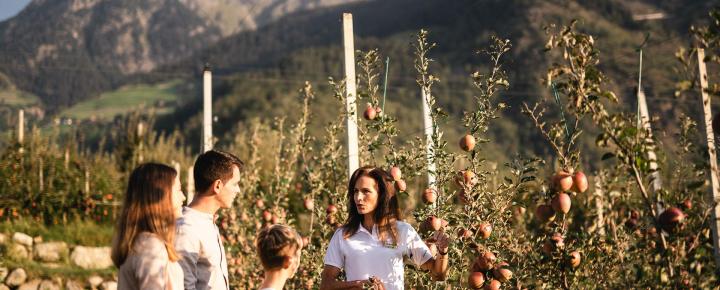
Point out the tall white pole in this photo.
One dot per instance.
(715, 222)
(190, 185)
(349, 48)
(429, 128)
(21, 126)
(207, 143)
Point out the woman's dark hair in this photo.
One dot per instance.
(387, 211)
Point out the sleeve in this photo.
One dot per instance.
(417, 249)
(188, 247)
(334, 256)
(152, 262)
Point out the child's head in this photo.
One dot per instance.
(279, 248)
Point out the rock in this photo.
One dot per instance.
(3, 287)
(95, 281)
(48, 285)
(3, 274)
(30, 285)
(16, 277)
(109, 285)
(3, 239)
(50, 252)
(91, 257)
(74, 285)
(37, 239)
(23, 239)
(17, 252)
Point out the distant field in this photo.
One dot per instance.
(126, 99)
(11, 97)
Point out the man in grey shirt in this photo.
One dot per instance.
(203, 260)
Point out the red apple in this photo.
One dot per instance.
(467, 142)
(687, 204)
(561, 203)
(435, 223)
(267, 216)
(464, 233)
(544, 213)
(309, 204)
(574, 259)
(580, 182)
(260, 203)
(485, 229)
(485, 262)
(429, 196)
(476, 280)
(492, 285)
(670, 218)
(502, 272)
(562, 181)
(369, 113)
(396, 173)
(331, 209)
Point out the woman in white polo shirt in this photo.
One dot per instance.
(374, 242)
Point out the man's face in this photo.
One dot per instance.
(230, 189)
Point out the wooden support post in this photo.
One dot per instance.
(190, 185)
(429, 129)
(207, 138)
(599, 204)
(350, 87)
(715, 222)
(21, 126)
(644, 123)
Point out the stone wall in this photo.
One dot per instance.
(21, 247)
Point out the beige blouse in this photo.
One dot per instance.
(147, 266)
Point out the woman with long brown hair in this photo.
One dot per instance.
(143, 244)
(374, 241)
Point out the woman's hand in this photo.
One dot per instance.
(374, 283)
(441, 241)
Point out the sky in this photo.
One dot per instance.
(9, 8)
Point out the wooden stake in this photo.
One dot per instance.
(599, 207)
(349, 48)
(644, 123)
(190, 185)
(429, 128)
(715, 222)
(21, 126)
(87, 182)
(207, 142)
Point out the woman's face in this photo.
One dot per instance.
(366, 195)
(177, 197)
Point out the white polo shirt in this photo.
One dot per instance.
(363, 255)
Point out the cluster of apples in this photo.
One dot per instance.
(562, 184)
(371, 112)
(485, 273)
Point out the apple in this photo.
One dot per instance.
(400, 185)
(574, 259)
(544, 213)
(485, 229)
(267, 216)
(435, 223)
(502, 273)
(467, 142)
(369, 113)
(476, 280)
(331, 209)
(396, 173)
(670, 218)
(429, 196)
(309, 204)
(562, 181)
(580, 182)
(260, 203)
(464, 233)
(485, 262)
(561, 203)
(492, 285)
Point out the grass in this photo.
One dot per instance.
(126, 99)
(16, 98)
(83, 233)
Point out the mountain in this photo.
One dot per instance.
(66, 51)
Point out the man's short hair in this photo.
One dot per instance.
(213, 165)
(275, 243)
